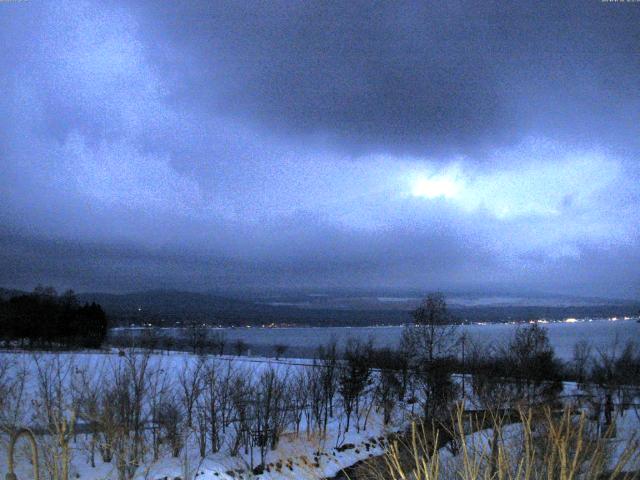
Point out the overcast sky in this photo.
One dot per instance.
(490, 146)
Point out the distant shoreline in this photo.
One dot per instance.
(321, 327)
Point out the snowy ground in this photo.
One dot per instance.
(302, 456)
(293, 459)
(621, 450)
(296, 457)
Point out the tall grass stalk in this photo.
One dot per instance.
(521, 445)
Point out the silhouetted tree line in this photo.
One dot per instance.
(45, 319)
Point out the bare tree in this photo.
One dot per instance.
(190, 386)
(108, 423)
(213, 405)
(56, 412)
(317, 404)
(241, 399)
(298, 393)
(240, 347)
(225, 395)
(159, 389)
(353, 377)
(124, 409)
(151, 339)
(524, 370)
(218, 342)
(328, 370)
(196, 336)
(170, 420)
(429, 343)
(269, 412)
(582, 357)
(492, 388)
(614, 377)
(202, 425)
(388, 380)
(90, 384)
(437, 389)
(433, 335)
(13, 380)
(280, 350)
(532, 365)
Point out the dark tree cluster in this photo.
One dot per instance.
(524, 369)
(45, 319)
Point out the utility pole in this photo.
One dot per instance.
(463, 342)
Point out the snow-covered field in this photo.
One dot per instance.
(306, 454)
(301, 452)
(620, 451)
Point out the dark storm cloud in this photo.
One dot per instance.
(289, 254)
(409, 76)
(421, 145)
(320, 258)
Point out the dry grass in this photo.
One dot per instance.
(523, 445)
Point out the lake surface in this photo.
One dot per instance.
(303, 341)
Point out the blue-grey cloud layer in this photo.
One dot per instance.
(428, 144)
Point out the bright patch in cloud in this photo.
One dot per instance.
(446, 185)
(539, 183)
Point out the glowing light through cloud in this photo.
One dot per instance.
(533, 186)
(446, 185)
